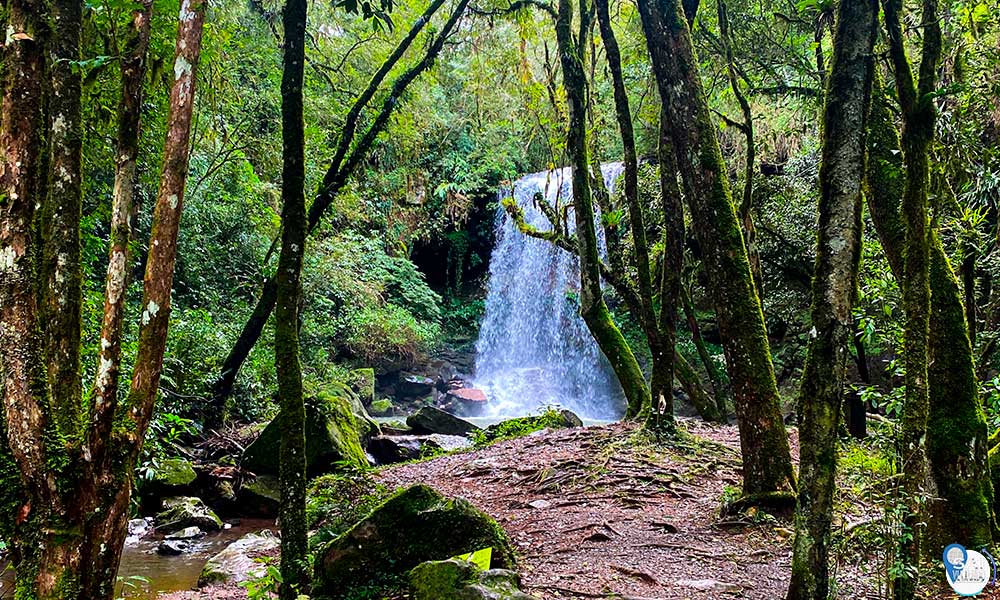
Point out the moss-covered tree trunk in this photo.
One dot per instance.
(74, 477)
(292, 513)
(767, 463)
(572, 52)
(956, 431)
(838, 250)
(919, 114)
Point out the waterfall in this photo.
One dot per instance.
(534, 349)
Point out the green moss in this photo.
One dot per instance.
(332, 437)
(414, 525)
(174, 472)
(550, 418)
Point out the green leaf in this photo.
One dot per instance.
(480, 558)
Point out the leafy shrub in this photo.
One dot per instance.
(388, 336)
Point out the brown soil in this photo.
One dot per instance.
(601, 512)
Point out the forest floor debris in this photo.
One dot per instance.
(598, 512)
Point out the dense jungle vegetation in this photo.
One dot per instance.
(242, 241)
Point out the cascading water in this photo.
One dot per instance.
(534, 349)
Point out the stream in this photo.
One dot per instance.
(144, 574)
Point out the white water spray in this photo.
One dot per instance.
(534, 349)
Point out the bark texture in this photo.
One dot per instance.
(572, 54)
(766, 454)
(75, 482)
(957, 443)
(838, 251)
(294, 543)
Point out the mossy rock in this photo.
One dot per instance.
(382, 407)
(260, 497)
(462, 580)
(332, 436)
(521, 426)
(180, 512)
(362, 383)
(171, 477)
(414, 525)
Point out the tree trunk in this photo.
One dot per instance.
(767, 460)
(919, 113)
(292, 513)
(60, 220)
(592, 307)
(838, 251)
(336, 177)
(133, 66)
(956, 434)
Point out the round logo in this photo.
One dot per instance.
(968, 572)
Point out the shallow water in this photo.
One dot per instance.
(144, 574)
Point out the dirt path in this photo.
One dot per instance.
(596, 514)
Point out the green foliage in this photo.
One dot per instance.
(547, 418)
(334, 503)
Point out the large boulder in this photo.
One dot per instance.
(434, 420)
(462, 580)
(237, 562)
(413, 526)
(180, 512)
(334, 434)
(170, 477)
(465, 401)
(261, 496)
(414, 386)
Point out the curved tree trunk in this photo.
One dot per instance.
(845, 116)
(764, 442)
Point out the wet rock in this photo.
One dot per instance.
(413, 526)
(462, 580)
(389, 449)
(334, 434)
(434, 420)
(188, 533)
(261, 496)
(468, 402)
(414, 386)
(236, 562)
(172, 547)
(186, 511)
(138, 529)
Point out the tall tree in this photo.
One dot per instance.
(659, 325)
(294, 534)
(767, 463)
(916, 100)
(838, 251)
(351, 150)
(957, 441)
(593, 309)
(67, 500)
